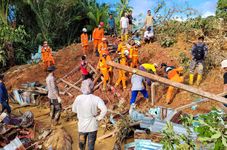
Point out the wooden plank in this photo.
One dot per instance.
(92, 68)
(66, 90)
(70, 84)
(194, 103)
(168, 82)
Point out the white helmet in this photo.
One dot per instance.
(126, 52)
(224, 64)
(137, 43)
(84, 30)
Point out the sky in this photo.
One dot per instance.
(205, 7)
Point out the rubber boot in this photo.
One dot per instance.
(199, 79)
(169, 94)
(191, 78)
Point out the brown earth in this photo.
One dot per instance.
(69, 58)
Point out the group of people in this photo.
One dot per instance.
(87, 104)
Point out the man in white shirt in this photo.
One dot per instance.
(138, 86)
(148, 35)
(86, 106)
(124, 23)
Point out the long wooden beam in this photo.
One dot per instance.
(168, 82)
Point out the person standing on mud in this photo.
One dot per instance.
(4, 96)
(86, 106)
(224, 67)
(199, 53)
(53, 95)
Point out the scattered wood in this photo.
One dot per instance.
(70, 84)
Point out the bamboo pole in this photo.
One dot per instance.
(168, 82)
(70, 84)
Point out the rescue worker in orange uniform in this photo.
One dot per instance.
(105, 69)
(84, 41)
(47, 57)
(134, 55)
(121, 75)
(103, 47)
(97, 35)
(122, 46)
(173, 74)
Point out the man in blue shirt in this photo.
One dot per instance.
(4, 96)
(111, 25)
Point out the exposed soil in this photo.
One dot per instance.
(69, 58)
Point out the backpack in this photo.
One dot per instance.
(199, 52)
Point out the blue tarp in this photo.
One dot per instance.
(12, 14)
(143, 145)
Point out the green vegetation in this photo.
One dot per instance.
(222, 9)
(210, 128)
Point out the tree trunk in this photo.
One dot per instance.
(10, 53)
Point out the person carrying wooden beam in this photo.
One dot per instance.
(104, 69)
(173, 74)
(121, 74)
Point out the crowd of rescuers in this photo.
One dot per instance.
(128, 48)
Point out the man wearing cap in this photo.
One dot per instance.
(97, 35)
(4, 96)
(124, 24)
(53, 95)
(84, 41)
(150, 68)
(173, 74)
(86, 106)
(199, 52)
(138, 83)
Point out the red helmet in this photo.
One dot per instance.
(101, 24)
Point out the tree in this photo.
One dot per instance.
(222, 9)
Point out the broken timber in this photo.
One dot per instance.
(168, 82)
(70, 84)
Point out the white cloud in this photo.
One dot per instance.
(208, 13)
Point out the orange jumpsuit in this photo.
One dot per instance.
(97, 35)
(134, 56)
(84, 42)
(121, 48)
(121, 75)
(105, 69)
(173, 75)
(103, 49)
(47, 57)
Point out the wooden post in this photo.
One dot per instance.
(195, 103)
(153, 92)
(168, 82)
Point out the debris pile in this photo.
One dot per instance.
(14, 130)
(29, 94)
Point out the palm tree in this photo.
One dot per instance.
(4, 11)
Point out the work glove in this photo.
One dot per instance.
(59, 100)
